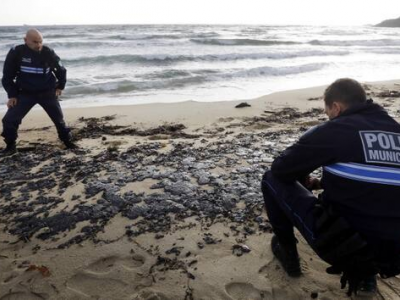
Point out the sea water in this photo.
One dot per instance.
(134, 64)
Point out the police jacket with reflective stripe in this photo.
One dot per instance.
(360, 153)
(32, 72)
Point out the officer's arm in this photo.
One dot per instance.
(10, 71)
(59, 70)
(313, 150)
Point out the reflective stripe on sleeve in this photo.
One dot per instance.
(366, 173)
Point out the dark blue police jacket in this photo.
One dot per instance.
(359, 152)
(29, 71)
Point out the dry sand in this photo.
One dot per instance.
(138, 267)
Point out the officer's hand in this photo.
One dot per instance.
(312, 183)
(12, 102)
(58, 92)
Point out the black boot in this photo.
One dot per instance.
(70, 145)
(287, 256)
(368, 286)
(9, 150)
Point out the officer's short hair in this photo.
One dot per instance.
(345, 90)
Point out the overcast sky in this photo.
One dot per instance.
(313, 12)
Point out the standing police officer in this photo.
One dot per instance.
(355, 225)
(33, 74)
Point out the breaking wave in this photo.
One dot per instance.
(174, 79)
(241, 42)
(272, 71)
(168, 59)
(79, 44)
(367, 43)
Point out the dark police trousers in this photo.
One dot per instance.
(288, 205)
(25, 102)
(291, 204)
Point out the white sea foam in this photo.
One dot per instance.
(177, 79)
(361, 42)
(171, 58)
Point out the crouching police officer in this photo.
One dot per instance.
(354, 224)
(33, 74)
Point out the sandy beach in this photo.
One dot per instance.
(161, 201)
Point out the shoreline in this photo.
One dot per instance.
(192, 114)
(191, 110)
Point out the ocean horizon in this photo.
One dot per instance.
(136, 64)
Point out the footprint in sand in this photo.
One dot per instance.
(23, 296)
(95, 281)
(245, 291)
(284, 287)
(273, 271)
(90, 284)
(10, 278)
(151, 295)
(104, 265)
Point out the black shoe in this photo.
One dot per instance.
(287, 256)
(368, 286)
(70, 145)
(9, 150)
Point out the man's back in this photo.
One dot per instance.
(363, 186)
(356, 227)
(360, 155)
